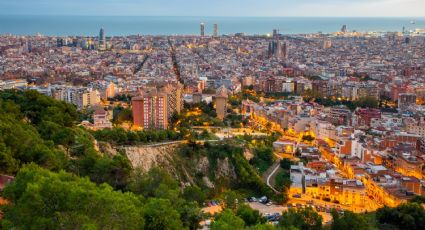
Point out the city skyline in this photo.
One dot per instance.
(269, 8)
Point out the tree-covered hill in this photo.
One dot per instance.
(63, 182)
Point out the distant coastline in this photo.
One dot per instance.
(180, 25)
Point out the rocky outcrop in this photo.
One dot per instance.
(147, 157)
(183, 169)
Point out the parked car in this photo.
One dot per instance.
(296, 196)
(263, 200)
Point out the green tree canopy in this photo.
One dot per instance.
(306, 219)
(405, 216)
(349, 221)
(46, 200)
(367, 102)
(160, 214)
(249, 215)
(226, 220)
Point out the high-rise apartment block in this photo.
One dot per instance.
(81, 97)
(221, 102)
(156, 105)
(150, 110)
(102, 39)
(202, 29)
(215, 30)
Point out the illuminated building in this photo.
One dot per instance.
(221, 102)
(101, 120)
(150, 111)
(110, 90)
(406, 100)
(174, 97)
(84, 98)
(285, 146)
(409, 165)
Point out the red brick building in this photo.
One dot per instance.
(365, 115)
(150, 111)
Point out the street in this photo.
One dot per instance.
(264, 209)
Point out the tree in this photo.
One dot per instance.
(308, 138)
(226, 220)
(250, 216)
(285, 163)
(160, 214)
(46, 200)
(418, 199)
(283, 181)
(230, 198)
(405, 216)
(306, 219)
(155, 183)
(367, 102)
(349, 221)
(263, 158)
(262, 227)
(194, 193)
(190, 214)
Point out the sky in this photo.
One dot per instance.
(280, 8)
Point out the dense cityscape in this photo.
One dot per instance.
(212, 131)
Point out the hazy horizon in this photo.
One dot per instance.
(217, 8)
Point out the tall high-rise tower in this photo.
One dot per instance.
(202, 29)
(285, 50)
(275, 33)
(102, 39)
(344, 29)
(221, 102)
(215, 30)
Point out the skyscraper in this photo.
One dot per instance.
(344, 29)
(102, 38)
(202, 29)
(275, 33)
(284, 52)
(215, 30)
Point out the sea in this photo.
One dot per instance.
(161, 25)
